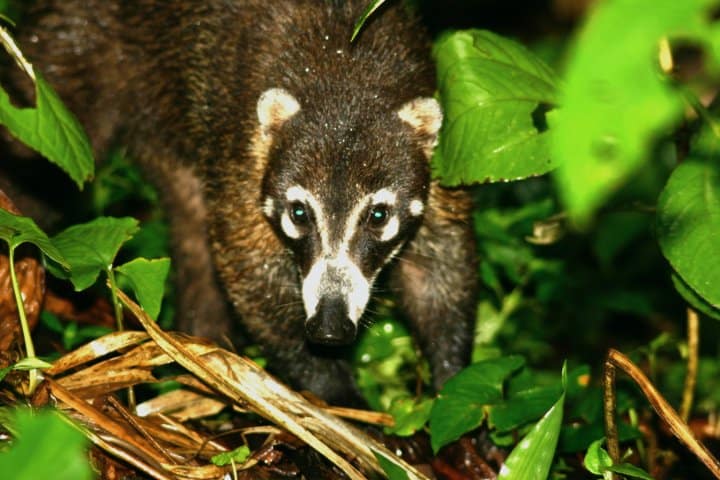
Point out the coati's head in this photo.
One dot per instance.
(344, 188)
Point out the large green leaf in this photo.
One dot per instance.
(147, 280)
(461, 405)
(15, 230)
(533, 456)
(490, 88)
(615, 101)
(90, 248)
(46, 447)
(51, 130)
(689, 222)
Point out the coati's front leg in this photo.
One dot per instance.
(436, 277)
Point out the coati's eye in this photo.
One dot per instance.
(378, 215)
(298, 213)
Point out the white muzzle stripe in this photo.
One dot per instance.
(336, 277)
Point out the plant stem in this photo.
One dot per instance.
(15, 52)
(29, 346)
(609, 405)
(117, 307)
(693, 328)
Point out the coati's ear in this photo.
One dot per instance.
(274, 107)
(425, 117)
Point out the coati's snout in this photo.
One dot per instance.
(335, 292)
(330, 324)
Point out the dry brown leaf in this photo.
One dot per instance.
(199, 473)
(90, 386)
(96, 349)
(92, 416)
(240, 379)
(182, 405)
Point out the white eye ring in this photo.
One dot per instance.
(391, 229)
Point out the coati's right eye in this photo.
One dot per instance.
(378, 215)
(298, 213)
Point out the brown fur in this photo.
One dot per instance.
(178, 83)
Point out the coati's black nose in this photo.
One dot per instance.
(330, 325)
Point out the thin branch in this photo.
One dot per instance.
(609, 406)
(663, 408)
(693, 328)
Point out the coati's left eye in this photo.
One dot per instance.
(378, 215)
(298, 213)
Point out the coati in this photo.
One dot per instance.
(293, 164)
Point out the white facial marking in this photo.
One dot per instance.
(423, 114)
(274, 106)
(289, 227)
(392, 227)
(297, 193)
(416, 208)
(384, 196)
(269, 207)
(336, 276)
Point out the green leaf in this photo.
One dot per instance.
(523, 407)
(410, 415)
(372, 6)
(379, 341)
(31, 363)
(533, 456)
(461, 405)
(597, 460)
(393, 470)
(630, 470)
(695, 301)
(239, 455)
(91, 247)
(147, 280)
(490, 88)
(15, 230)
(51, 130)
(386, 363)
(46, 447)
(615, 101)
(689, 219)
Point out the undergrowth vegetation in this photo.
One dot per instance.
(594, 161)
